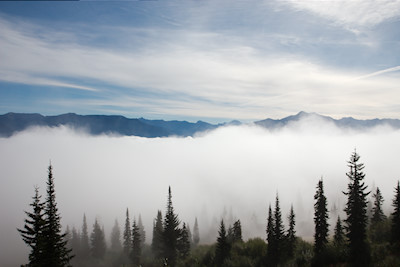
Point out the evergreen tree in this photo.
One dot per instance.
(136, 251)
(32, 234)
(127, 235)
(56, 251)
(184, 242)
(222, 249)
(271, 250)
(157, 241)
(84, 246)
(116, 238)
(356, 210)
(190, 236)
(395, 229)
(339, 236)
(171, 232)
(291, 233)
(75, 242)
(141, 231)
(321, 220)
(377, 214)
(98, 243)
(237, 231)
(279, 233)
(196, 234)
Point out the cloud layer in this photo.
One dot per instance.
(235, 170)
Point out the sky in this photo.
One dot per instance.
(201, 60)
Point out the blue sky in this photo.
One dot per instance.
(209, 60)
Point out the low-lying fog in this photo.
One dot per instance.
(233, 170)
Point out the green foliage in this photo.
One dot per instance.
(291, 234)
(377, 212)
(136, 251)
(171, 233)
(184, 242)
(127, 235)
(157, 241)
(395, 230)
(223, 247)
(97, 241)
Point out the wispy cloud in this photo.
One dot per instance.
(376, 73)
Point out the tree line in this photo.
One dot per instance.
(366, 237)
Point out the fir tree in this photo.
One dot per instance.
(237, 231)
(84, 246)
(184, 242)
(222, 249)
(271, 250)
(291, 233)
(115, 238)
(98, 243)
(339, 236)
(157, 241)
(171, 232)
(377, 214)
(196, 234)
(278, 231)
(141, 231)
(321, 220)
(56, 251)
(395, 229)
(75, 242)
(127, 235)
(32, 233)
(136, 251)
(356, 210)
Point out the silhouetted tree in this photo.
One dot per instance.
(136, 252)
(321, 221)
(339, 236)
(97, 240)
(184, 242)
(115, 238)
(56, 252)
(127, 235)
(171, 232)
(84, 246)
(279, 231)
(395, 229)
(222, 249)
(237, 231)
(377, 213)
(271, 252)
(196, 234)
(142, 232)
(291, 233)
(32, 233)
(157, 241)
(356, 210)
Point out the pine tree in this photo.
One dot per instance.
(278, 230)
(141, 231)
(395, 229)
(157, 241)
(321, 220)
(97, 240)
(339, 236)
(171, 232)
(184, 242)
(32, 233)
(271, 250)
(291, 233)
(84, 246)
(136, 251)
(222, 249)
(116, 238)
(127, 235)
(356, 210)
(56, 251)
(237, 231)
(377, 213)
(196, 234)
(75, 242)
(190, 236)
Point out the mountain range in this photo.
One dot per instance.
(12, 123)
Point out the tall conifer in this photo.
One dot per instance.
(171, 232)
(320, 220)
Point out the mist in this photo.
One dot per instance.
(233, 171)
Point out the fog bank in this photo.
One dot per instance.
(236, 171)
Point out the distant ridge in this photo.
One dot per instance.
(12, 123)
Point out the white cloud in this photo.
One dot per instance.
(220, 76)
(351, 14)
